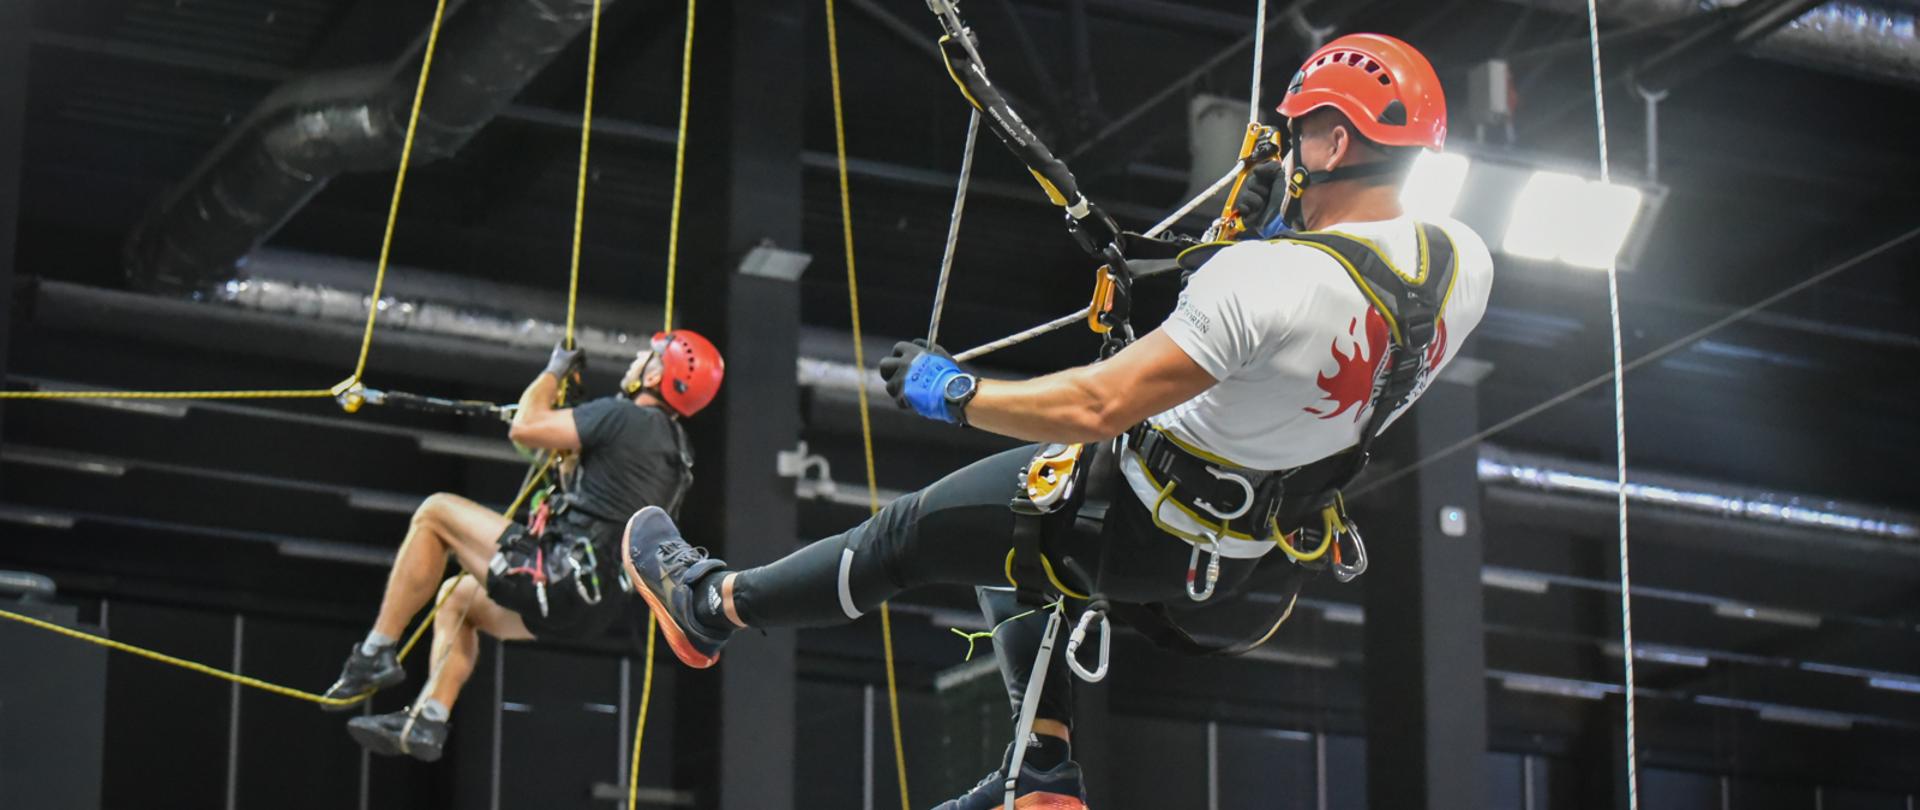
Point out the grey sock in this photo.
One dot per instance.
(434, 710)
(375, 642)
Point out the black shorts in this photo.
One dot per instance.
(568, 613)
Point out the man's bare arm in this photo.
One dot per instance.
(1093, 402)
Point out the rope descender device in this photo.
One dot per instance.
(354, 395)
(1050, 478)
(1262, 144)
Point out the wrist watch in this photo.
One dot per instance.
(959, 391)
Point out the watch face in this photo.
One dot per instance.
(959, 387)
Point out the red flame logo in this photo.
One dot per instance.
(1437, 350)
(1351, 384)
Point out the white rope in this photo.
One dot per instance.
(953, 228)
(1181, 212)
(1619, 427)
(1259, 58)
(1017, 338)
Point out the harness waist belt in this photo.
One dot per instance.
(1254, 502)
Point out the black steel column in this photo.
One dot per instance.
(1425, 650)
(743, 191)
(14, 44)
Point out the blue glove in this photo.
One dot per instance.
(917, 375)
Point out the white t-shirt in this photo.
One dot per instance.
(1295, 347)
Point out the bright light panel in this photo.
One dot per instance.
(1581, 222)
(1433, 186)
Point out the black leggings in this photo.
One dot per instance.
(958, 532)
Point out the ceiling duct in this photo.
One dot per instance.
(1870, 39)
(312, 129)
(1503, 468)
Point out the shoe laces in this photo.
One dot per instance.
(680, 554)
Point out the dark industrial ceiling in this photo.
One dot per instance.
(1775, 172)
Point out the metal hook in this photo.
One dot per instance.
(1079, 635)
(1347, 573)
(1213, 571)
(1246, 502)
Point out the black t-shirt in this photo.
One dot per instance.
(629, 458)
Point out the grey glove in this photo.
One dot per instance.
(565, 362)
(1262, 197)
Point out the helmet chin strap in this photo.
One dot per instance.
(1300, 178)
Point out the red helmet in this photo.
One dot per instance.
(1385, 86)
(690, 370)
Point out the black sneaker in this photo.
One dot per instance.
(362, 676)
(1057, 788)
(391, 735)
(663, 569)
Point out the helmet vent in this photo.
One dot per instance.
(1394, 115)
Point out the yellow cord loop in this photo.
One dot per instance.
(860, 362)
(373, 301)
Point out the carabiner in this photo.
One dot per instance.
(1213, 571)
(583, 572)
(1103, 287)
(1079, 635)
(1347, 573)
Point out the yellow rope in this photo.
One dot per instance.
(373, 302)
(673, 248)
(679, 164)
(573, 292)
(860, 362)
(399, 186)
(256, 683)
(580, 188)
(308, 393)
(183, 663)
(640, 726)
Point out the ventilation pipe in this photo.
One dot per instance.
(309, 130)
(1866, 38)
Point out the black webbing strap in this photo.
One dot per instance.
(1411, 308)
(684, 454)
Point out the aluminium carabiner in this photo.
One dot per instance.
(1098, 673)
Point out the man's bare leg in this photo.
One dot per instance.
(467, 613)
(444, 524)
